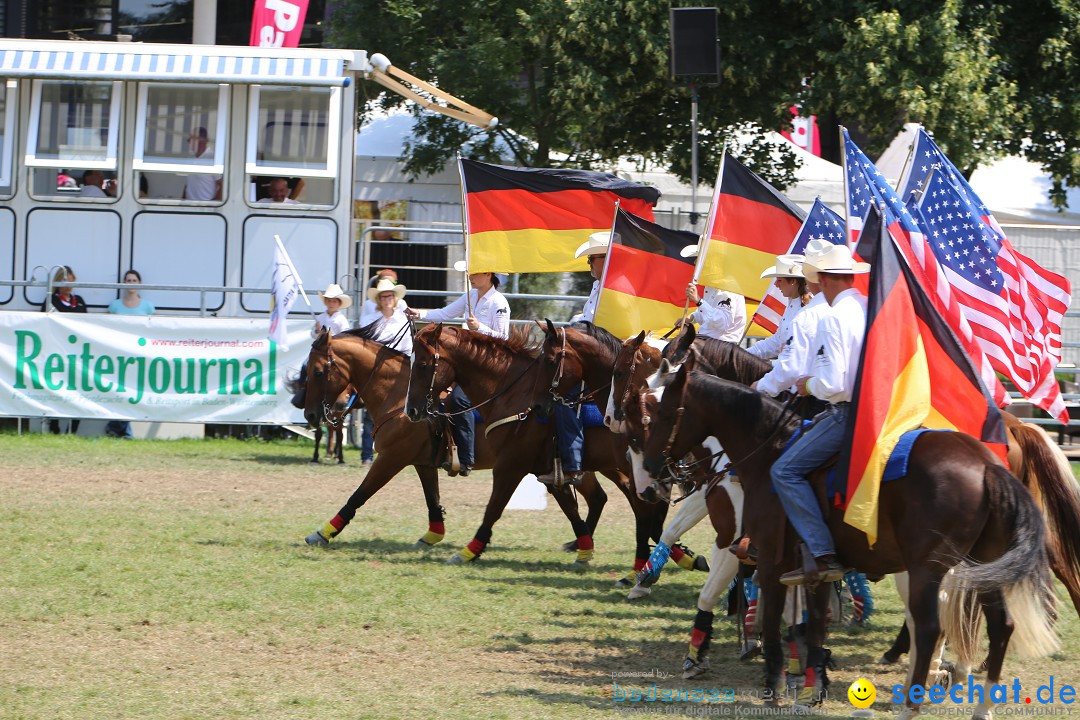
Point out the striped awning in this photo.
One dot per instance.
(122, 61)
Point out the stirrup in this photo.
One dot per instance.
(554, 478)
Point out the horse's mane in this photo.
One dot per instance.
(721, 355)
(602, 336)
(751, 407)
(367, 332)
(521, 343)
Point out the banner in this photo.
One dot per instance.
(156, 368)
(285, 286)
(277, 23)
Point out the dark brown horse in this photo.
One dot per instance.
(499, 377)
(381, 378)
(956, 509)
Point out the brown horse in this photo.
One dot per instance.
(381, 376)
(499, 377)
(957, 508)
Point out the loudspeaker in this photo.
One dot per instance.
(694, 50)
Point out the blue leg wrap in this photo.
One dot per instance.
(860, 588)
(651, 572)
(750, 590)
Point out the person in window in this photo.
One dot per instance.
(94, 185)
(262, 187)
(201, 186)
(131, 303)
(63, 299)
(279, 192)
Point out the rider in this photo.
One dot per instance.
(839, 342)
(333, 321)
(720, 315)
(569, 432)
(770, 347)
(490, 315)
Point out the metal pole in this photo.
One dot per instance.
(204, 23)
(693, 154)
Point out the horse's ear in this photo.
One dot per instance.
(639, 339)
(691, 361)
(691, 332)
(550, 327)
(665, 366)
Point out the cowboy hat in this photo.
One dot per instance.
(787, 266)
(334, 291)
(461, 266)
(597, 244)
(837, 260)
(386, 285)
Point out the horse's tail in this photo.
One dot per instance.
(1047, 474)
(1020, 572)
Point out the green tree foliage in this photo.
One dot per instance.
(583, 82)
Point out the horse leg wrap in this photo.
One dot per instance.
(683, 557)
(796, 669)
(773, 652)
(861, 599)
(585, 548)
(649, 570)
(332, 528)
(817, 680)
(473, 550)
(701, 636)
(435, 533)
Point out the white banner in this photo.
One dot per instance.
(156, 367)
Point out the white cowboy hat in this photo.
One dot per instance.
(460, 266)
(837, 260)
(385, 284)
(597, 244)
(689, 251)
(817, 246)
(787, 266)
(333, 290)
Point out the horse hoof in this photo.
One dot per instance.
(459, 559)
(646, 579)
(751, 650)
(316, 538)
(638, 591)
(422, 544)
(701, 564)
(889, 659)
(627, 582)
(569, 546)
(692, 669)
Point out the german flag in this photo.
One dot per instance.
(645, 278)
(533, 219)
(750, 223)
(913, 372)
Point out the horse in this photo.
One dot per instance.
(381, 378)
(335, 430)
(586, 353)
(957, 514)
(499, 376)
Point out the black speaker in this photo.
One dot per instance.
(694, 50)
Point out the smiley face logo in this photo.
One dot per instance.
(862, 693)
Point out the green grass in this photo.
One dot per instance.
(170, 580)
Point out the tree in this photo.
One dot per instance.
(584, 82)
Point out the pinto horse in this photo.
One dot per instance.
(381, 378)
(499, 376)
(957, 511)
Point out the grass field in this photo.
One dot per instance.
(169, 580)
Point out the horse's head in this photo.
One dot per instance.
(431, 372)
(330, 391)
(677, 350)
(636, 360)
(561, 366)
(666, 437)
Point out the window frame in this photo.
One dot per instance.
(111, 161)
(221, 131)
(333, 138)
(11, 114)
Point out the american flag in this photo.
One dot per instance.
(866, 186)
(821, 223)
(1018, 319)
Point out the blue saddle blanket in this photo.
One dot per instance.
(590, 415)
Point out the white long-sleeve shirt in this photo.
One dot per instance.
(337, 323)
(771, 346)
(492, 311)
(796, 358)
(839, 342)
(589, 311)
(370, 306)
(721, 315)
(389, 330)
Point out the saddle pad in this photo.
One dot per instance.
(477, 417)
(590, 415)
(896, 466)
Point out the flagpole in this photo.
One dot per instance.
(703, 241)
(292, 269)
(847, 196)
(607, 260)
(906, 169)
(465, 229)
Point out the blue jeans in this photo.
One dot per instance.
(367, 437)
(810, 451)
(463, 426)
(569, 432)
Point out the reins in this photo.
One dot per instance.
(556, 380)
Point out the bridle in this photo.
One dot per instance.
(557, 378)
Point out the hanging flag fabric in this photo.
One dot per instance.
(284, 289)
(913, 372)
(867, 188)
(278, 23)
(645, 277)
(533, 219)
(1014, 305)
(804, 132)
(750, 223)
(821, 222)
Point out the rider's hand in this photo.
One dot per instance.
(800, 386)
(473, 323)
(679, 322)
(691, 293)
(411, 314)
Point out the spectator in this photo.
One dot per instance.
(391, 327)
(263, 188)
(66, 301)
(279, 193)
(334, 299)
(370, 306)
(131, 304)
(201, 186)
(94, 185)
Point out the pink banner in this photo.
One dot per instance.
(278, 23)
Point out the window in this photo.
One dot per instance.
(294, 131)
(180, 140)
(74, 125)
(8, 113)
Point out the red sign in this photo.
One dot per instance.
(278, 23)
